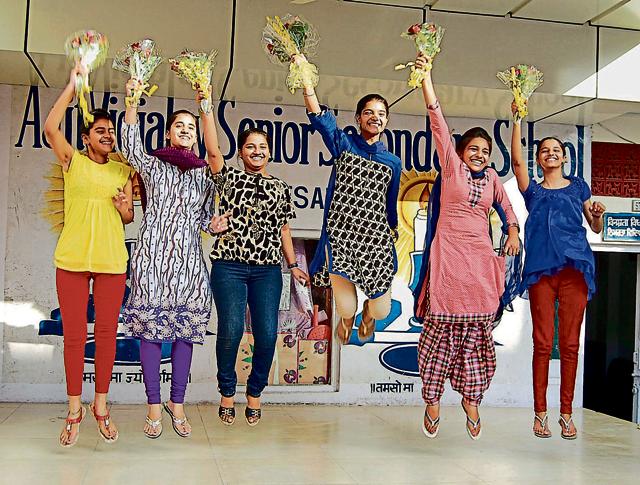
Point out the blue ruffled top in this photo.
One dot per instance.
(554, 235)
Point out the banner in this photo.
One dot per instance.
(381, 371)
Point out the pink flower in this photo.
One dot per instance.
(415, 29)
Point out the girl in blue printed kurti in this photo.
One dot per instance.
(360, 218)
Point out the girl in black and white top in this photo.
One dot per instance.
(246, 263)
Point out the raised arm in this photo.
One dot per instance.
(439, 128)
(132, 146)
(518, 162)
(61, 147)
(214, 155)
(309, 93)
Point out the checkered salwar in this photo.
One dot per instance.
(459, 348)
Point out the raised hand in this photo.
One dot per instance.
(120, 201)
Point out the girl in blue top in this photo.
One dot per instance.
(559, 265)
(356, 247)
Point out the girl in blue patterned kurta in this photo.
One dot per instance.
(170, 298)
(360, 218)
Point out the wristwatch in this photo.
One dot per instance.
(292, 265)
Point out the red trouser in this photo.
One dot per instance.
(570, 289)
(73, 296)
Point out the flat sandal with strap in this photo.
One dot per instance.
(433, 423)
(175, 422)
(69, 422)
(475, 425)
(156, 425)
(106, 420)
(344, 329)
(367, 324)
(545, 433)
(565, 426)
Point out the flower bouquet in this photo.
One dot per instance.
(289, 36)
(196, 68)
(427, 38)
(89, 48)
(523, 80)
(139, 60)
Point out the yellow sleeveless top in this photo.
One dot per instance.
(92, 238)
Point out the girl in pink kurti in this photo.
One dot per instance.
(461, 292)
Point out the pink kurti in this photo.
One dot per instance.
(466, 276)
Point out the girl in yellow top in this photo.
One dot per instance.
(97, 201)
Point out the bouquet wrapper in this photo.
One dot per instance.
(427, 38)
(89, 48)
(522, 80)
(139, 60)
(196, 68)
(283, 38)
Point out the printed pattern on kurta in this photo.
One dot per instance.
(360, 241)
(170, 295)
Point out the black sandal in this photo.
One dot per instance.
(252, 415)
(227, 415)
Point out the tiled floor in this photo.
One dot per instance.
(316, 444)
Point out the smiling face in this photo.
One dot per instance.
(551, 154)
(373, 118)
(101, 138)
(254, 153)
(183, 131)
(476, 154)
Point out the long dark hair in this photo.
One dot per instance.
(470, 134)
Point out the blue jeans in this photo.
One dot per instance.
(234, 286)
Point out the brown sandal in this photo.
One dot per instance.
(367, 324)
(106, 420)
(343, 332)
(67, 427)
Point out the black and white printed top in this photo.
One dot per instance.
(259, 206)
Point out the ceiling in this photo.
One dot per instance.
(588, 50)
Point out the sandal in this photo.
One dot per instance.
(69, 421)
(156, 426)
(343, 332)
(475, 425)
(433, 424)
(545, 433)
(227, 415)
(565, 426)
(175, 422)
(367, 324)
(252, 415)
(106, 420)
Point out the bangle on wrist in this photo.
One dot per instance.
(292, 265)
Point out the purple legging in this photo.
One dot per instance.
(150, 355)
